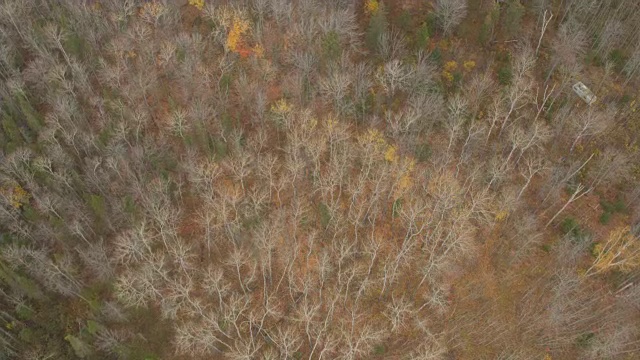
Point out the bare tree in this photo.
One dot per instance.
(196, 339)
(394, 76)
(455, 120)
(450, 13)
(545, 24)
(358, 340)
(335, 87)
(579, 192)
(590, 123)
(569, 45)
(287, 340)
(398, 312)
(241, 167)
(520, 89)
(532, 167)
(96, 258)
(611, 166)
(633, 64)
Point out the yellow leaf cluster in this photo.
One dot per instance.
(547, 357)
(238, 25)
(620, 251)
(501, 215)
(373, 137)
(281, 107)
(405, 165)
(443, 45)
(451, 66)
(469, 65)
(199, 4)
(238, 28)
(17, 196)
(390, 154)
(334, 128)
(447, 76)
(371, 7)
(444, 184)
(258, 50)
(310, 124)
(125, 54)
(406, 181)
(151, 9)
(331, 123)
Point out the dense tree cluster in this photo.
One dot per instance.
(279, 179)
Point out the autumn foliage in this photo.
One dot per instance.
(275, 179)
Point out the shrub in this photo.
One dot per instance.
(436, 56)
(626, 99)
(568, 225)
(396, 208)
(422, 36)
(610, 208)
(76, 45)
(503, 56)
(97, 204)
(485, 34)
(404, 21)
(584, 340)
(571, 228)
(616, 56)
(129, 205)
(331, 45)
(488, 26)
(219, 147)
(24, 312)
(325, 215)
(26, 335)
(432, 23)
(605, 218)
(32, 117)
(423, 152)
(505, 75)
(457, 78)
(11, 129)
(377, 26)
(592, 58)
(513, 17)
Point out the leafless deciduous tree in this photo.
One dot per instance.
(450, 13)
(145, 179)
(545, 23)
(590, 123)
(633, 64)
(394, 76)
(579, 192)
(569, 45)
(521, 85)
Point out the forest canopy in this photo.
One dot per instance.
(306, 179)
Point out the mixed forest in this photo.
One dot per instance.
(307, 179)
